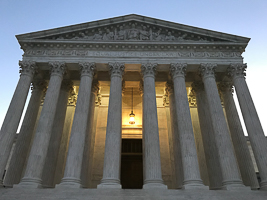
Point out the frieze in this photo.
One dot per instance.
(175, 54)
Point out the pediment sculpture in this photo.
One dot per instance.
(133, 32)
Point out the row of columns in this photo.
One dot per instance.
(225, 173)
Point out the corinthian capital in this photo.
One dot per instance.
(169, 87)
(27, 67)
(57, 68)
(207, 70)
(87, 68)
(178, 69)
(197, 86)
(237, 70)
(225, 87)
(116, 69)
(149, 69)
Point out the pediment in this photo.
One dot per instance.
(132, 28)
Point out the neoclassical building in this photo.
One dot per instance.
(175, 81)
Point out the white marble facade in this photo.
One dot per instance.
(183, 79)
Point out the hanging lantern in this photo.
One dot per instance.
(132, 115)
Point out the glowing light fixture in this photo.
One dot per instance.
(132, 115)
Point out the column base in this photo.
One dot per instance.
(29, 183)
(194, 184)
(109, 183)
(154, 184)
(195, 187)
(263, 185)
(70, 182)
(234, 185)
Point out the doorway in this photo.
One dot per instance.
(131, 164)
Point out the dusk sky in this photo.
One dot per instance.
(246, 18)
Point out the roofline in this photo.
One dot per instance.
(126, 18)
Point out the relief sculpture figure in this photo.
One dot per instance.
(133, 33)
(98, 36)
(144, 34)
(169, 37)
(109, 35)
(120, 35)
(157, 35)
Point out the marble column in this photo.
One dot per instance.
(93, 141)
(151, 152)
(239, 141)
(230, 173)
(64, 144)
(85, 174)
(112, 158)
(176, 141)
(72, 174)
(210, 149)
(54, 144)
(253, 125)
(37, 156)
(14, 112)
(26, 134)
(192, 177)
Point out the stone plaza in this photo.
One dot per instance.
(184, 139)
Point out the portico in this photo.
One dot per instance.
(87, 75)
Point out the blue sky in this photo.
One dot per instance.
(239, 17)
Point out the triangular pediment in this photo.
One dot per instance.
(132, 28)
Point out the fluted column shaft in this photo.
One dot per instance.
(73, 166)
(152, 163)
(211, 151)
(185, 130)
(175, 135)
(112, 158)
(35, 165)
(85, 174)
(252, 122)
(14, 112)
(239, 141)
(22, 146)
(54, 144)
(229, 167)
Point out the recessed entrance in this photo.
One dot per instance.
(131, 164)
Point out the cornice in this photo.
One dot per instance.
(132, 45)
